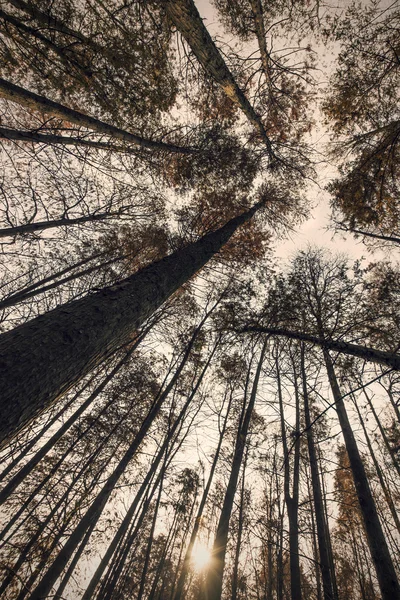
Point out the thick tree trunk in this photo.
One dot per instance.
(33, 101)
(322, 525)
(42, 359)
(381, 357)
(47, 446)
(213, 583)
(381, 558)
(186, 561)
(185, 16)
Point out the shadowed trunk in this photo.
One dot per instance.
(33, 101)
(43, 358)
(381, 357)
(322, 525)
(186, 18)
(380, 554)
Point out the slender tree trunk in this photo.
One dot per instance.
(213, 583)
(42, 225)
(235, 577)
(291, 500)
(322, 525)
(385, 489)
(123, 528)
(185, 16)
(381, 357)
(42, 359)
(257, 10)
(381, 558)
(388, 447)
(375, 236)
(186, 561)
(34, 137)
(16, 298)
(143, 578)
(33, 101)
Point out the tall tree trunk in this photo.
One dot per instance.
(384, 486)
(186, 561)
(381, 357)
(291, 500)
(213, 583)
(185, 16)
(381, 558)
(33, 101)
(235, 576)
(42, 359)
(322, 525)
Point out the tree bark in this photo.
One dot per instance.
(33, 101)
(186, 18)
(381, 357)
(380, 554)
(42, 359)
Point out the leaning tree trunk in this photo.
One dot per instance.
(213, 583)
(42, 359)
(42, 225)
(123, 528)
(185, 16)
(33, 101)
(381, 357)
(380, 554)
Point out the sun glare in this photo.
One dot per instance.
(201, 557)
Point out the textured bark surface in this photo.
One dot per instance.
(186, 18)
(380, 554)
(257, 10)
(34, 102)
(381, 357)
(40, 360)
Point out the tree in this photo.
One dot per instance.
(108, 317)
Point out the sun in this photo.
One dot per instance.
(201, 556)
